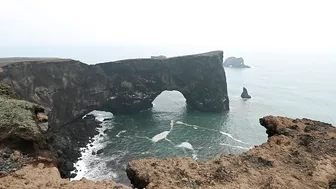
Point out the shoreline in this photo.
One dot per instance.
(299, 153)
(90, 150)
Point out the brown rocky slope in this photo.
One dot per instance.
(298, 154)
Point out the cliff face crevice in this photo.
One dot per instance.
(71, 89)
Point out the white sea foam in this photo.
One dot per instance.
(160, 136)
(221, 132)
(186, 145)
(98, 143)
(240, 147)
(121, 132)
(100, 115)
(164, 134)
(229, 135)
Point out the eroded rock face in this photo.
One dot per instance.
(299, 153)
(71, 88)
(235, 63)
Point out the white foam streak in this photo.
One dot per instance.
(121, 132)
(229, 135)
(240, 147)
(186, 145)
(221, 132)
(160, 136)
(164, 134)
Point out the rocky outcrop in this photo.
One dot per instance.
(235, 63)
(40, 175)
(18, 118)
(71, 88)
(299, 153)
(245, 93)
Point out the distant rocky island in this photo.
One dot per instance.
(42, 130)
(235, 63)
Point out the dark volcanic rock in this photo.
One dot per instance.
(71, 88)
(68, 140)
(235, 63)
(245, 93)
(100, 151)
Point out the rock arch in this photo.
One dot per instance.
(71, 88)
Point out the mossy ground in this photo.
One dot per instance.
(17, 117)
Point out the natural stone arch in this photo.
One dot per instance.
(71, 88)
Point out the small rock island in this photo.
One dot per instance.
(245, 94)
(235, 63)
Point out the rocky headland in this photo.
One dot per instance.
(66, 90)
(234, 62)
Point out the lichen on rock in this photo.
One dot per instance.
(18, 118)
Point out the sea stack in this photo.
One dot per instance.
(235, 63)
(245, 93)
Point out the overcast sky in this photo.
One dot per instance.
(295, 24)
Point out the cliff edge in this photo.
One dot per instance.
(299, 153)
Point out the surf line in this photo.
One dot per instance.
(221, 132)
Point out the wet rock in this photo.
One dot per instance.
(100, 151)
(73, 175)
(245, 93)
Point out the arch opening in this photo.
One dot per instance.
(169, 100)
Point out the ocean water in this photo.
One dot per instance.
(278, 87)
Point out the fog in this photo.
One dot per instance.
(103, 30)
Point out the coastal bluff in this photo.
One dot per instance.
(71, 89)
